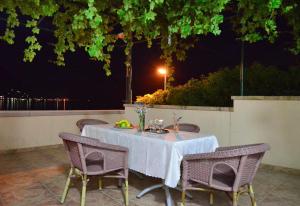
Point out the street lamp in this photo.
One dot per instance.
(163, 71)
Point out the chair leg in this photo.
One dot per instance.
(120, 182)
(211, 198)
(67, 185)
(126, 192)
(186, 193)
(234, 199)
(83, 191)
(252, 197)
(100, 183)
(183, 198)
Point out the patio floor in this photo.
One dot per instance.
(38, 177)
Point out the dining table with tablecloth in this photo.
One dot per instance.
(152, 154)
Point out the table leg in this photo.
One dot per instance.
(149, 189)
(169, 199)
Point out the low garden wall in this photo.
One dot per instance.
(274, 120)
(27, 129)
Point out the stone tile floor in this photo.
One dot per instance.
(37, 178)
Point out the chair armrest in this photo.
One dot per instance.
(234, 147)
(199, 168)
(228, 152)
(196, 170)
(211, 155)
(91, 142)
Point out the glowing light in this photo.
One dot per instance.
(162, 70)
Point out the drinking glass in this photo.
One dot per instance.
(160, 124)
(156, 124)
(151, 125)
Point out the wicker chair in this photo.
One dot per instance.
(186, 127)
(82, 122)
(90, 157)
(229, 169)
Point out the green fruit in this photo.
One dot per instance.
(124, 123)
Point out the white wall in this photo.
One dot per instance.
(32, 131)
(276, 122)
(273, 120)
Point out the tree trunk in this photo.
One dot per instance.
(128, 99)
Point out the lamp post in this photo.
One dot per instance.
(163, 71)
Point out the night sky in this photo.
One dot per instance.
(84, 79)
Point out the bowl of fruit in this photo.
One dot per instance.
(123, 124)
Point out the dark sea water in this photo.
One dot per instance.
(9, 103)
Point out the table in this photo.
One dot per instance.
(155, 155)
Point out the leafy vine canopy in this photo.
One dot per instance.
(177, 24)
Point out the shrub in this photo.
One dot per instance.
(158, 97)
(216, 88)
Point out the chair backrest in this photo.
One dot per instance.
(186, 127)
(74, 149)
(251, 156)
(82, 122)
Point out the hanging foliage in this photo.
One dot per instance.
(177, 24)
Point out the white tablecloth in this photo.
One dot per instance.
(156, 155)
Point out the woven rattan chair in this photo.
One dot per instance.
(90, 157)
(229, 169)
(82, 122)
(185, 127)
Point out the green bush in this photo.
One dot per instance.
(158, 97)
(216, 88)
